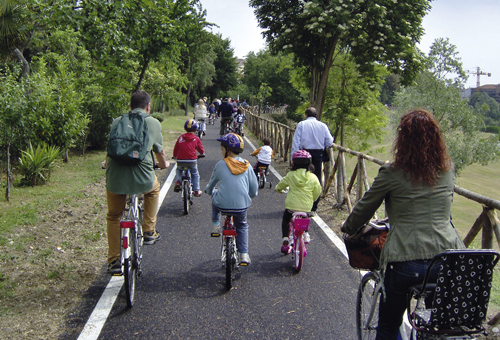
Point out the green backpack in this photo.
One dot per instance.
(129, 138)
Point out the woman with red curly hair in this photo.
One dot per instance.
(418, 192)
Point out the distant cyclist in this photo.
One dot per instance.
(201, 114)
(236, 186)
(304, 189)
(264, 156)
(186, 148)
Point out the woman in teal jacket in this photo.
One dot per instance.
(418, 191)
(304, 190)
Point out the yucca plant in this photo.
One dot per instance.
(36, 164)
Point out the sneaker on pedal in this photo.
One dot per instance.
(115, 267)
(285, 247)
(244, 259)
(215, 231)
(307, 238)
(197, 193)
(150, 237)
(177, 186)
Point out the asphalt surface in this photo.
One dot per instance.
(181, 294)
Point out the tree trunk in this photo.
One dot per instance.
(9, 175)
(319, 77)
(141, 76)
(187, 99)
(25, 65)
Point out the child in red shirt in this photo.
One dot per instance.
(185, 149)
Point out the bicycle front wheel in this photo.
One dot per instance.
(299, 252)
(130, 269)
(230, 263)
(185, 197)
(367, 307)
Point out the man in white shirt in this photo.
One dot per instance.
(313, 136)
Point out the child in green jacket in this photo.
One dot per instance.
(304, 189)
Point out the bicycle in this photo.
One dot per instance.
(201, 125)
(131, 244)
(185, 166)
(229, 257)
(436, 322)
(227, 127)
(262, 177)
(364, 252)
(211, 119)
(299, 224)
(238, 128)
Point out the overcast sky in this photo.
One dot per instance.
(472, 26)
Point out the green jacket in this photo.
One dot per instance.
(304, 189)
(420, 215)
(140, 178)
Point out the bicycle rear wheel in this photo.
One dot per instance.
(262, 180)
(299, 252)
(230, 263)
(130, 269)
(185, 197)
(367, 307)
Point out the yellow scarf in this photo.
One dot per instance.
(235, 166)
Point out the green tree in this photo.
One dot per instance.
(389, 88)
(225, 76)
(276, 72)
(375, 32)
(352, 109)
(438, 90)
(483, 102)
(15, 30)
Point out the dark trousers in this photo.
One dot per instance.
(223, 123)
(399, 277)
(285, 223)
(317, 162)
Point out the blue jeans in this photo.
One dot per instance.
(241, 225)
(195, 176)
(399, 277)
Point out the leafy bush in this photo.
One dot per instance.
(36, 164)
(158, 115)
(492, 129)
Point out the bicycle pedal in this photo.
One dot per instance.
(117, 274)
(215, 235)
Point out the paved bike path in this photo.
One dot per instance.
(181, 294)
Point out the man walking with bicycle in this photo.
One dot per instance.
(126, 179)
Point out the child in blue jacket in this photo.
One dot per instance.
(236, 186)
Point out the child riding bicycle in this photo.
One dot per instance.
(304, 189)
(201, 114)
(264, 155)
(185, 149)
(236, 186)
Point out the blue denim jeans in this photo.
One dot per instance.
(399, 277)
(241, 225)
(195, 176)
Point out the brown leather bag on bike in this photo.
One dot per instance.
(364, 248)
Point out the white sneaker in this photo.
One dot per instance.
(244, 259)
(215, 231)
(307, 238)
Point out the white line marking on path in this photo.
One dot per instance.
(96, 321)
